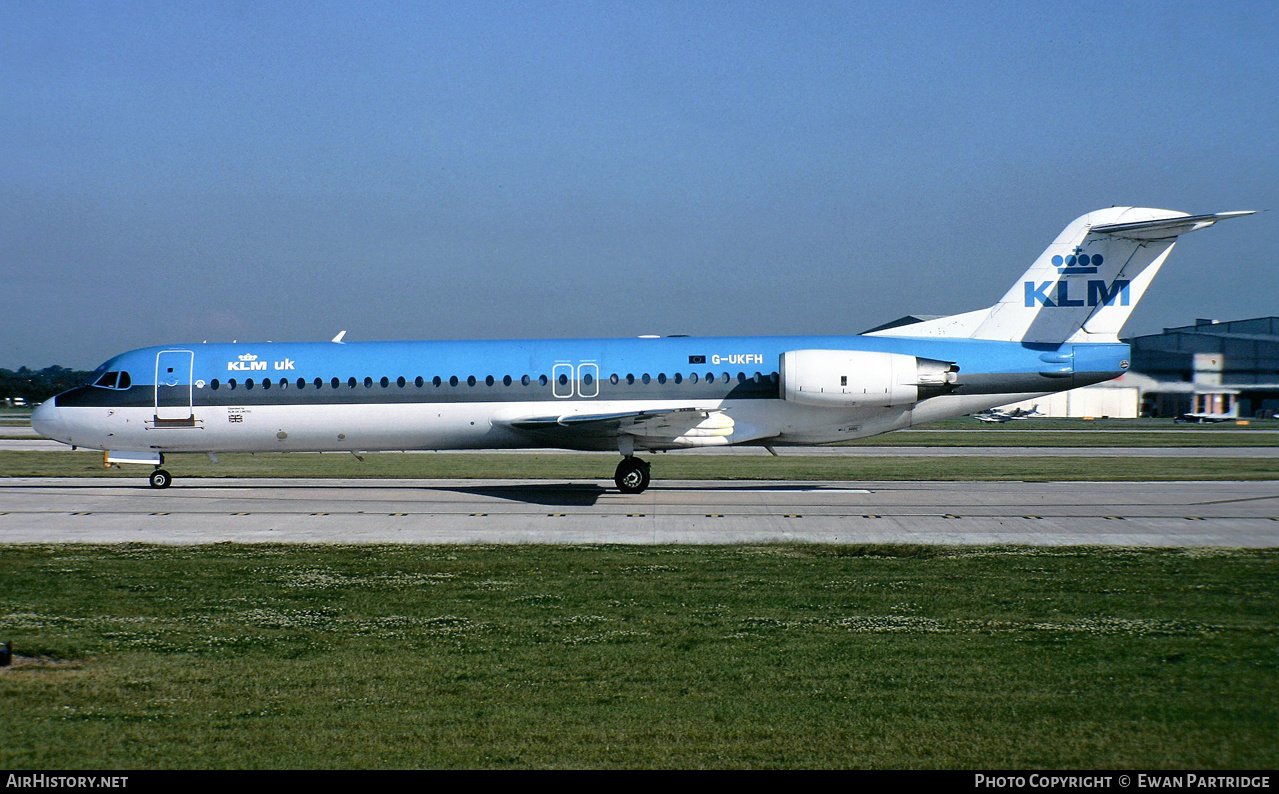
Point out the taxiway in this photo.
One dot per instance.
(1167, 514)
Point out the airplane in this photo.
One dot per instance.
(1201, 417)
(1055, 329)
(995, 415)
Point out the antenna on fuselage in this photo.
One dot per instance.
(338, 338)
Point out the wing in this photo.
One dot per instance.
(656, 428)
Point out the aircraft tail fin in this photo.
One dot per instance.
(1084, 286)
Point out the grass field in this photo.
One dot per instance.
(665, 467)
(1135, 433)
(747, 657)
(1070, 438)
(534, 656)
(989, 437)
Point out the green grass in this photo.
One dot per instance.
(665, 467)
(536, 656)
(994, 437)
(1032, 438)
(1101, 423)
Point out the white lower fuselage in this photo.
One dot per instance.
(482, 425)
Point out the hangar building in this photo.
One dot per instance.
(1227, 369)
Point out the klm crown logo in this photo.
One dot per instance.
(1078, 263)
(247, 363)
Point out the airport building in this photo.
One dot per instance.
(1116, 399)
(1219, 369)
(1224, 368)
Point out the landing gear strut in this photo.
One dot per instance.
(631, 475)
(161, 479)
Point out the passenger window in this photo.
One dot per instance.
(563, 379)
(418, 381)
(266, 383)
(661, 377)
(284, 383)
(248, 383)
(488, 380)
(613, 379)
(526, 380)
(470, 380)
(692, 377)
(213, 384)
(679, 378)
(351, 382)
(368, 382)
(385, 382)
(231, 384)
(453, 380)
(588, 379)
(646, 378)
(630, 379)
(741, 377)
(542, 379)
(436, 381)
(333, 384)
(506, 380)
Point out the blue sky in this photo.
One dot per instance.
(176, 172)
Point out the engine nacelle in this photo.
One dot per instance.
(861, 378)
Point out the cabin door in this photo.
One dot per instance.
(173, 371)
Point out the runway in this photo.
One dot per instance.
(1165, 514)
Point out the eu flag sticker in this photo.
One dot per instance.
(697, 359)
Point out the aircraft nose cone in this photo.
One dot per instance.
(46, 420)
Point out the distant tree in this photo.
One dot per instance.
(37, 386)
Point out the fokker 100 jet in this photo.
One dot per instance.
(1055, 329)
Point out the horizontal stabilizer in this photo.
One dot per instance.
(1164, 228)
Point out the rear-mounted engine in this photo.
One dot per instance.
(858, 378)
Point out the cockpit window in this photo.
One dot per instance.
(108, 379)
(115, 379)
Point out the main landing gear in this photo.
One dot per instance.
(631, 475)
(161, 479)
